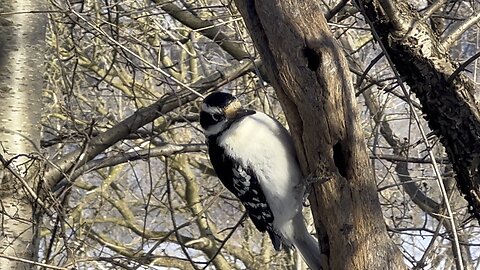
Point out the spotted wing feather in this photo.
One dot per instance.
(243, 183)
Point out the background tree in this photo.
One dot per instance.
(127, 182)
(22, 41)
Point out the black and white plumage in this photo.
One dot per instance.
(254, 157)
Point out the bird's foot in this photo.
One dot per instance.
(310, 180)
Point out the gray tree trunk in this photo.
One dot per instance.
(447, 97)
(310, 75)
(22, 47)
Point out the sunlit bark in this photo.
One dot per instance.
(447, 96)
(310, 75)
(22, 47)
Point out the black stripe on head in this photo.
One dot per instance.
(208, 120)
(213, 109)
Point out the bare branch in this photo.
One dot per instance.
(455, 31)
(401, 167)
(207, 28)
(143, 116)
(165, 150)
(434, 7)
(33, 196)
(463, 66)
(49, 266)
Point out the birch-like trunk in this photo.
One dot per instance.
(22, 47)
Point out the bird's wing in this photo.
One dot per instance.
(243, 183)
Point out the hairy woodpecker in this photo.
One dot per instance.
(254, 157)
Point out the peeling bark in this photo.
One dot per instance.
(447, 101)
(310, 75)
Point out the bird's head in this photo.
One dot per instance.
(219, 110)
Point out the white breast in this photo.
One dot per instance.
(264, 145)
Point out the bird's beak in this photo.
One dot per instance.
(234, 111)
(243, 112)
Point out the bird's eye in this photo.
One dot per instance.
(217, 117)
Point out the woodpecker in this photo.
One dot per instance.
(254, 157)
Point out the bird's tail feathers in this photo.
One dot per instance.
(276, 240)
(306, 244)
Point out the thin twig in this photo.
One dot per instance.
(421, 262)
(331, 13)
(462, 67)
(147, 63)
(172, 217)
(451, 36)
(33, 263)
(165, 150)
(407, 159)
(244, 216)
(433, 8)
(32, 194)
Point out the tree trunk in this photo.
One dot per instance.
(22, 47)
(310, 75)
(446, 96)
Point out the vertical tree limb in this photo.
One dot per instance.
(312, 81)
(448, 102)
(22, 43)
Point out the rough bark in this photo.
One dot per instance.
(310, 75)
(22, 43)
(447, 99)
